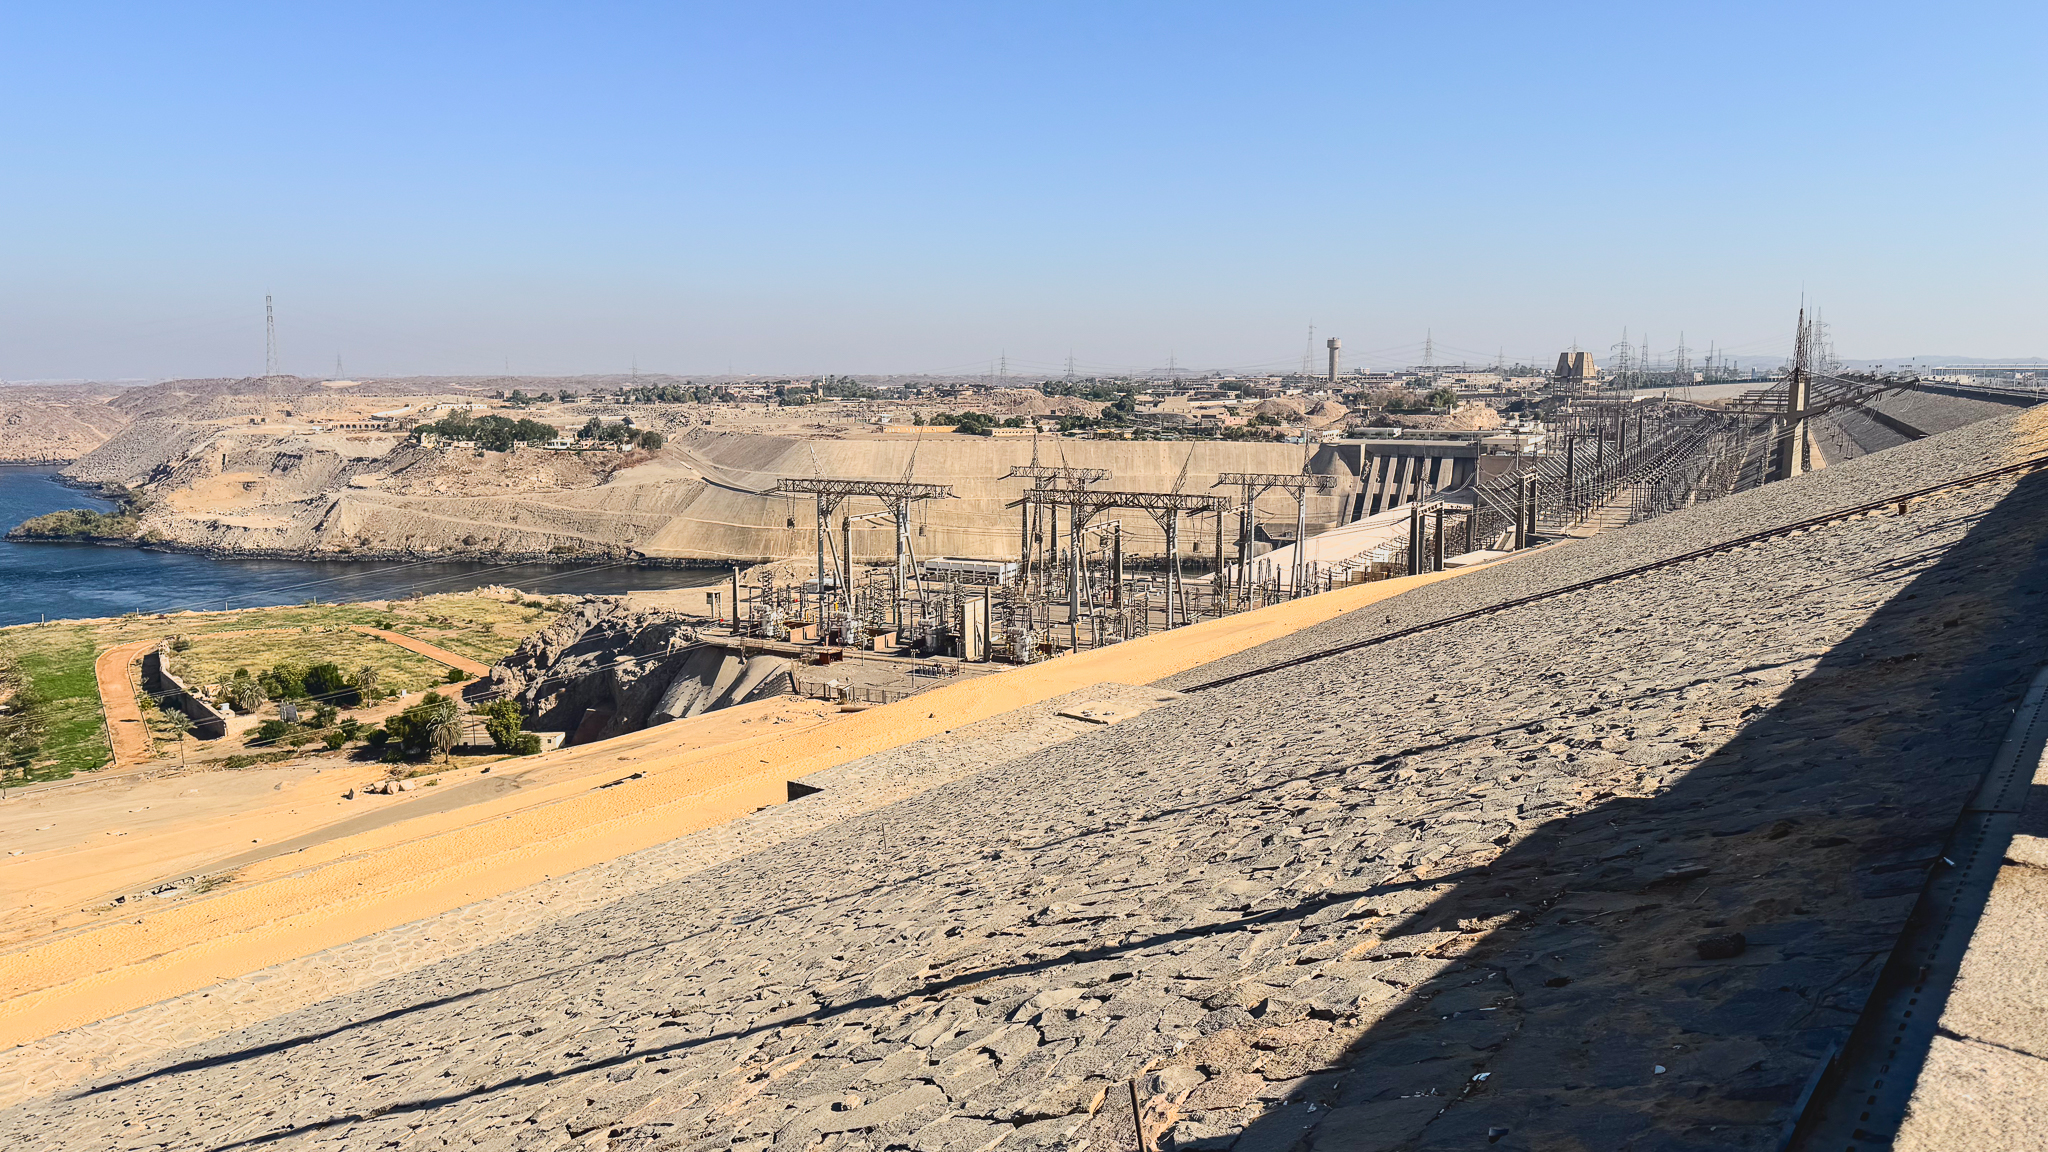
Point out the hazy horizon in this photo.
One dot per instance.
(928, 189)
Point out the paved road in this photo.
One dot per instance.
(1472, 887)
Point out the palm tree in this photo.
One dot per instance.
(182, 724)
(366, 681)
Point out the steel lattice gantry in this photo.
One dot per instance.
(831, 492)
(1256, 484)
(1084, 504)
(1046, 477)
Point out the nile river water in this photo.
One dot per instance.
(57, 581)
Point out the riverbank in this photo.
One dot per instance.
(609, 557)
(55, 580)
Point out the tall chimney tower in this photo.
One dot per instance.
(1333, 343)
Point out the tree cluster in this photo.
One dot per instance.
(973, 423)
(322, 723)
(1084, 389)
(432, 725)
(78, 524)
(596, 431)
(676, 394)
(502, 720)
(324, 683)
(491, 433)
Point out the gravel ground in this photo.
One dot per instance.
(1474, 886)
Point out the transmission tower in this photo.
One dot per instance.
(1681, 370)
(269, 339)
(1070, 364)
(1429, 353)
(1308, 354)
(1621, 361)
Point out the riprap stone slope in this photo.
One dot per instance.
(1446, 891)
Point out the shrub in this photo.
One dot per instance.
(238, 761)
(244, 694)
(457, 676)
(270, 732)
(323, 715)
(376, 737)
(502, 720)
(284, 680)
(350, 726)
(434, 722)
(78, 524)
(334, 741)
(327, 682)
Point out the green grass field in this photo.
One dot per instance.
(483, 629)
(56, 659)
(214, 659)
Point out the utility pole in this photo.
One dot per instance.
(1789, 450)
(269, 340)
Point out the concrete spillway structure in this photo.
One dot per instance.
(714, 678)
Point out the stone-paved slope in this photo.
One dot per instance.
(1442, 892)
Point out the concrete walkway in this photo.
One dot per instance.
(1985, 1084)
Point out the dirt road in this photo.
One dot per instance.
(130, 736)
(463, 663)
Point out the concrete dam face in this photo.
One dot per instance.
(729, 515)
(704, 497)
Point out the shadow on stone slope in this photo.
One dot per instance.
(1580, 1014)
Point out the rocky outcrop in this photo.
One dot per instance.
(55, 425)
(140, 450)
(604, 658)
(608, 668)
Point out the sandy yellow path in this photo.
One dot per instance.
(352, 887)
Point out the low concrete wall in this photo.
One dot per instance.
(170, 692)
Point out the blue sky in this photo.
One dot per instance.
(897, 187)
